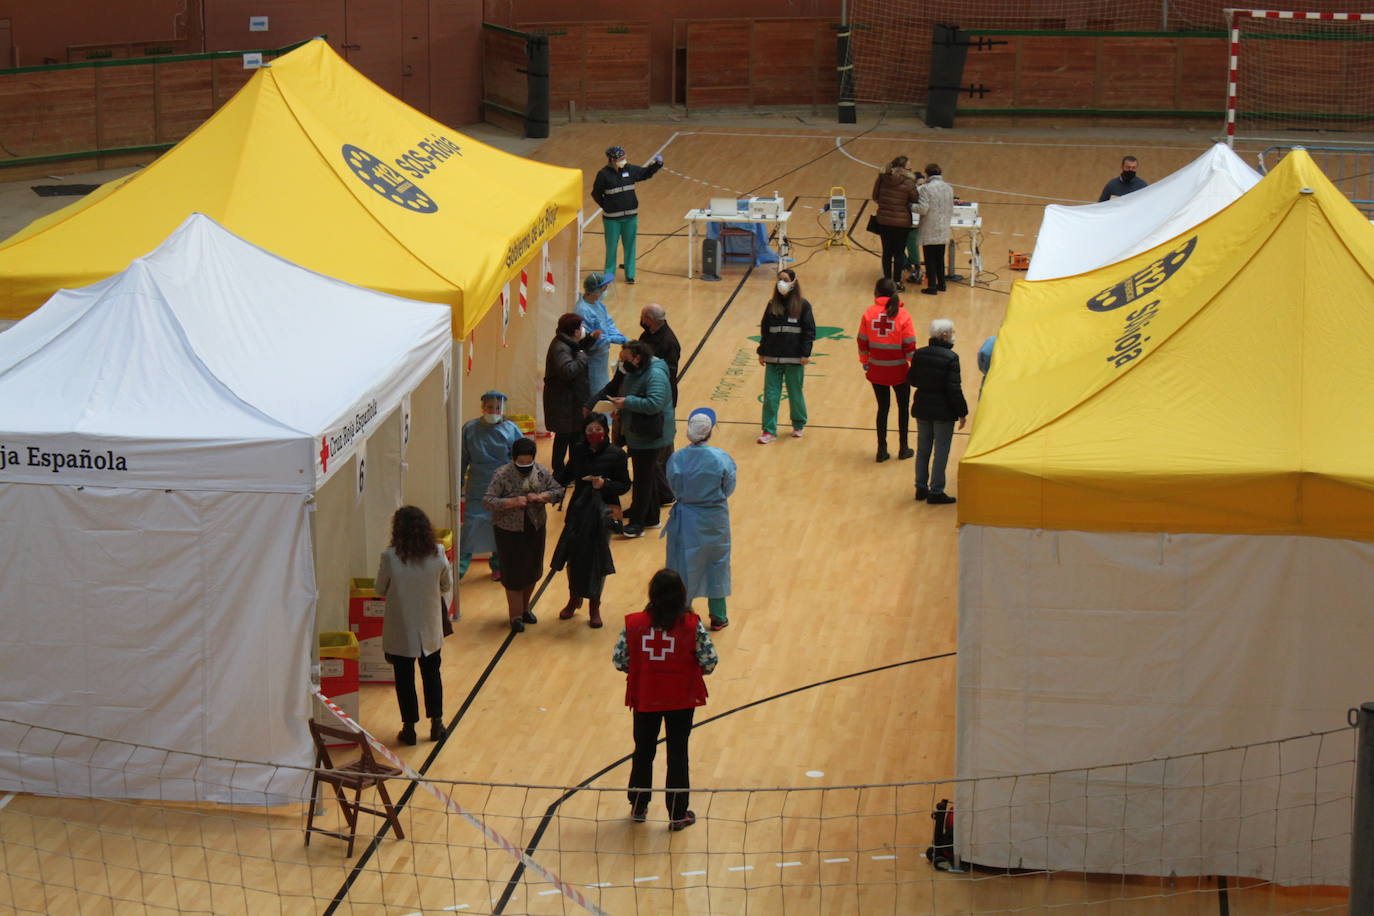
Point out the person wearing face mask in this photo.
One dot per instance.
(599, 325)
(1125, 183)
(517, 497)
(698, 530)
(646, 405)
(614, 192)
(599, 471)
(566, 385)
(654, 320)
(786, 334)
(486, 444)
(887, 338)
(938, 404)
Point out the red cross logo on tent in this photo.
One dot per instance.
(324, 454)
(883, 325)
(657, 644)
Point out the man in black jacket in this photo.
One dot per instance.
(654, 320)
(1127, 183)
(614, 192)
(937, 404)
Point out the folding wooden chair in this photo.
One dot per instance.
(361, 774)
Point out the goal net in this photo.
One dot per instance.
(1296, 75)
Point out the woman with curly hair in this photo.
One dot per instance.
(411, 576)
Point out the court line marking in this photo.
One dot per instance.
(786, 864)
(689, 874)
(910, 138)
(740, 868)
(9, 797)
(833, 861)
(646, 878)
(601, 884)
(882, 858)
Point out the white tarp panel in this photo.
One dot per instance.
(176, 619)
(1073, 240)
(1081, 649)
(105, 390)
(158, 432)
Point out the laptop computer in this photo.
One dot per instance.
(724, 206)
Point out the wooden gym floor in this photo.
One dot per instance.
(838, 668)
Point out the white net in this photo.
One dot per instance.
(849, 849)
(1303, 74)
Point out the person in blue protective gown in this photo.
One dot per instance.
(600, 327)
(698, 530)
(486, 446)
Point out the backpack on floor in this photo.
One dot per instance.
(941, 852)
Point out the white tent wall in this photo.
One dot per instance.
(517, 367)
(350, 534)
(424, 477)
(1088, 649)
(128, 591)
(1077, 239)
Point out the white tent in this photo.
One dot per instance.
(1075, 240)
(165, 437)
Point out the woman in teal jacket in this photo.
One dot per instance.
(646, 406)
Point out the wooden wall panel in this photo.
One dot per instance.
(747, 62)
(596, 65)
(1092, 72)
(1136, 72)
(718, 64)
(128, 106)
(616, 71)
(1062, 72)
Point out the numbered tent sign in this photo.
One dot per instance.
(360, 464)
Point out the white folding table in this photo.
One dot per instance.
(701, 217)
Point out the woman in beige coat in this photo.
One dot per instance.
(936, 206)
(412, 575)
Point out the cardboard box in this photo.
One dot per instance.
(338, 676)
(365, 612)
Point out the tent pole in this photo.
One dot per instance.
(1362, 832)
(455, 447)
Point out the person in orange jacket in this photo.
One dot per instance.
(887, 339)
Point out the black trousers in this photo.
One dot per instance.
(679, 727)
(934, 256)
(894, 250)
(666, 496)
(403, 667)
(649, 490)
(562, 448)
(882, 393)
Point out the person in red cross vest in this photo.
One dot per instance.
(664, 651)
(887, 340)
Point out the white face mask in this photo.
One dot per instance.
(620, 163)
(492, 418)
(785, 286)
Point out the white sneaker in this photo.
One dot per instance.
(766, 438)
(797, 433)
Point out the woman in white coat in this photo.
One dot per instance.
(412, 575)
(935, 204)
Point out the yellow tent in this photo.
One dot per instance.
(1219, 382)
(312, 161)
(1166, 544)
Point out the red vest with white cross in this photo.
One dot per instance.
(664, 672)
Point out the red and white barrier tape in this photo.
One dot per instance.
(566, 889)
